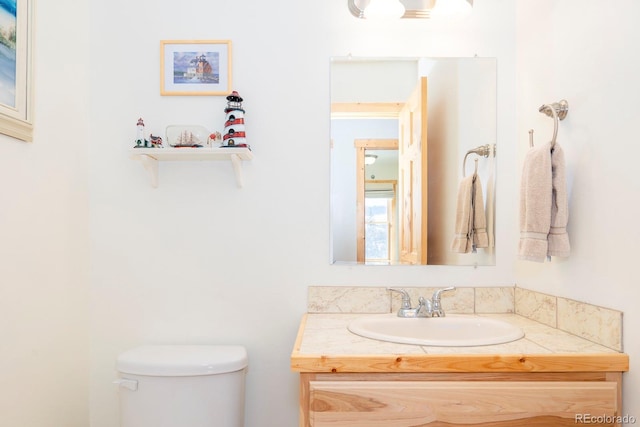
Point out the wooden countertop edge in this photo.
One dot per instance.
(560, 362)
(298, 343)
(593, 362)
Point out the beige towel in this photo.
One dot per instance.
(543, 205)
(558, 237)
(480, 237)
(471, 231)
(535, 204)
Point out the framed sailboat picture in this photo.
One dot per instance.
(16, 32)
(195, 67)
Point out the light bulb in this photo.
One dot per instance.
(384, 9)
(444, 8)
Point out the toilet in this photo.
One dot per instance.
(182, 386)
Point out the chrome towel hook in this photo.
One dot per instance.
(557, 110)
(483, 151)
(561, 108)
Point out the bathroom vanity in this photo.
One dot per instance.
(547, 378)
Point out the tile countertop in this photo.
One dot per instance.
(324, 344)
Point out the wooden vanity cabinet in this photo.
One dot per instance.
(460, 399)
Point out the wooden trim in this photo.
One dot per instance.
(617, 378)
(424, 163)
(305, 398)
(596, 362)
(466, 376)
(360, 110)
(376, 144)
(298, 343)
(360, 226)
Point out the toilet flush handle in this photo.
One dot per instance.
(128, 384)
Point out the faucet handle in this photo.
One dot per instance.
(436, 294)
(436, 307)
(406, 299)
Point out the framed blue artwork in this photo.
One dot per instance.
(195, 67)
(16, 35)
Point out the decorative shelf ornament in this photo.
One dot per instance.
(234, 133)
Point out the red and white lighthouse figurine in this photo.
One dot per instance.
(234, 135)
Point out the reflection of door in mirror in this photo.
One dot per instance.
(413, 176)
(411, 169)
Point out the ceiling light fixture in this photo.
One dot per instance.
(384, 9)
(421, 9)
(370, 159)
(451, 8)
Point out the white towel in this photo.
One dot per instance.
(541, 189)
(470, 232)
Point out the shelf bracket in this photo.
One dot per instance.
(151, 165)
(237, 168)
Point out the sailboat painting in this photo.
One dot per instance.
(8, 70)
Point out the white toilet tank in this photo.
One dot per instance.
(182, 386)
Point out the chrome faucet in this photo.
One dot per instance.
(426, 307)
(436, 307)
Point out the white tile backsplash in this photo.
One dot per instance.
(591, 322)
(536, 306)
(348, 299)
(600, 325)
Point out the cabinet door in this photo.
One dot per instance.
(460, 403)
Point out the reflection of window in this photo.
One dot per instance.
(377, 229)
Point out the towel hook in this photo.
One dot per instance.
(483, 150)
(557, 110)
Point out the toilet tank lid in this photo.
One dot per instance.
(182, 360)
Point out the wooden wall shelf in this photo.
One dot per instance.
(149, 157)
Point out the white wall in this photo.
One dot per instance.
(586, 53)
(199, 260)
(43, 230)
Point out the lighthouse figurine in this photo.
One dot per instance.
(141, 141)
(234, 135)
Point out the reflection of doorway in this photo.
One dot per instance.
(363, 147)
(380, 235)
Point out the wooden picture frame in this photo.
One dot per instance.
(195, 67)
(16, 72)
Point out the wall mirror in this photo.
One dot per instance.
(401, 131)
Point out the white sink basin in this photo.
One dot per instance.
(450, 331)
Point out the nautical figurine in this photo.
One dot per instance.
(213, 137)
(187, 139)
(234, 134)
(156, 141)
(141, 141)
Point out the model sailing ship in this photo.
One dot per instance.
(186, 139)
